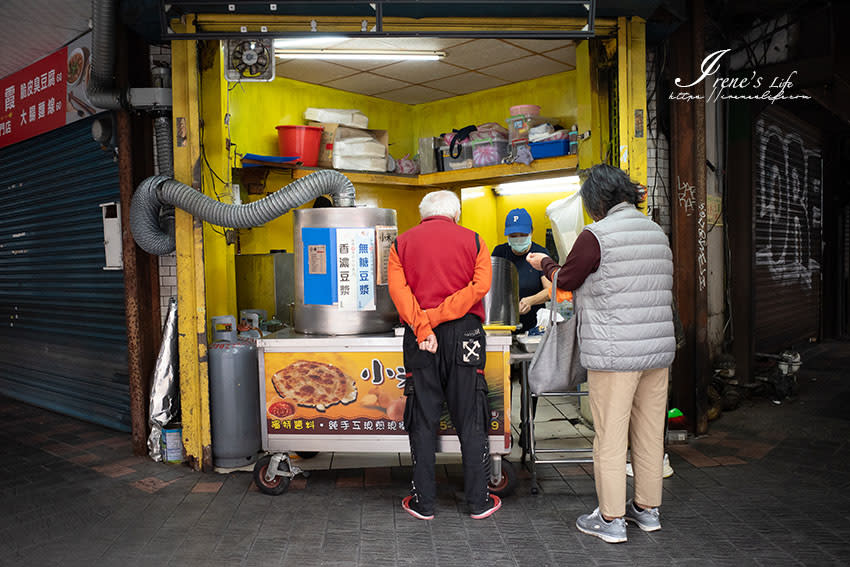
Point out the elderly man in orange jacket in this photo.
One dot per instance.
(439, 272)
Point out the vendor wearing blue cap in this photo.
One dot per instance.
(533, 285)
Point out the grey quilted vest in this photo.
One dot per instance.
(625, 307)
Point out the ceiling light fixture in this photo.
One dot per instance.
(360, 54)
(569, 184)
(300, 42)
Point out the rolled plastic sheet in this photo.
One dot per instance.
(164, 398)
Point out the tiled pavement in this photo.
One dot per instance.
(769, 485)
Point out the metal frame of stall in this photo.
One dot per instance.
(529, 446)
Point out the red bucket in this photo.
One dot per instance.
(301, 141)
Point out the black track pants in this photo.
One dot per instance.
(454, 373)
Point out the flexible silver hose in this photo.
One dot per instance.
(154, 192)
(100, 89)
(162, 135)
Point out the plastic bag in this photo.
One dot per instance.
(407, 165)
(567, 219)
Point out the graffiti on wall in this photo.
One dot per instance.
(788, 203)
(687, 196)
(702, 238)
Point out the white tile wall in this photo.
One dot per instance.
(657, 153)
(167, 282)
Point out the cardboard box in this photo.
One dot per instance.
(326, 144)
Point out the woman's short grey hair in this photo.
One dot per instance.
(440, 203)
(605, 186)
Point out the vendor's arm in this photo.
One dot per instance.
(460, 302)
(582, 261)
(542, 296)
(404, 300)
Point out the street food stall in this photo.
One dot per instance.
(335, 382)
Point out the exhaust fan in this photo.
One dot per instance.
(249, 60)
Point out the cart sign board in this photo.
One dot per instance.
(47, 95)
(376, 406)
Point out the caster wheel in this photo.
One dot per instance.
(507, 484)
(535, 490)
(276, 486)
(306, 454)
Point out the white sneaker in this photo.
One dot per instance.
(668, 470)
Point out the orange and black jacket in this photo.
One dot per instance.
(438, 271)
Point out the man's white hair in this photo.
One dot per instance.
(440, 203)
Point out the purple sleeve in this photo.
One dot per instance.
(582, 261)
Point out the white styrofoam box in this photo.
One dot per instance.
(343, 117)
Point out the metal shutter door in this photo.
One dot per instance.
(63, 327)
(788, 204)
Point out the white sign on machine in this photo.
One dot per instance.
(355, 268)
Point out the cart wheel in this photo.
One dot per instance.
(278, 485)
(306, 454)
(507, 484)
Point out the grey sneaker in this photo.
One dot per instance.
(647, 520)
(594, 524)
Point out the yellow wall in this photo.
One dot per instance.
(485, 212)
(256, 108)
(555, 94)
(219, 270)
(479, 213)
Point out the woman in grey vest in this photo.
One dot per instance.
(621, 272)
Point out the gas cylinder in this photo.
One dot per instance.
(250, 323)
(234, 395)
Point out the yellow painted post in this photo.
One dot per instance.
(631, 74)
(216, 182)
(590, 150)
(191, 324)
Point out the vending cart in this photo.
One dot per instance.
(335, 381)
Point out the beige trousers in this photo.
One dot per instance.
(628, 408)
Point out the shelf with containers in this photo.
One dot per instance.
(459, 178)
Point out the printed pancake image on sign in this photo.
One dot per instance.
(314, 384)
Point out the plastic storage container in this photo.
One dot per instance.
(301, 141)
(463, 161)
(488, 151)
(529, 109)
(549, 149)
(519, 125)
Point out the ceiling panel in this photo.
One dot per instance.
(43, 26)
(526, 68)
(466, 83)
(320, 72)
(419, 71)
(415, 94)
(366, 83)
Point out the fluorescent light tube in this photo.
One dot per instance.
(299, 42)
(568, 184)
(360, 54)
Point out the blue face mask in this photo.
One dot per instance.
(519, 244)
